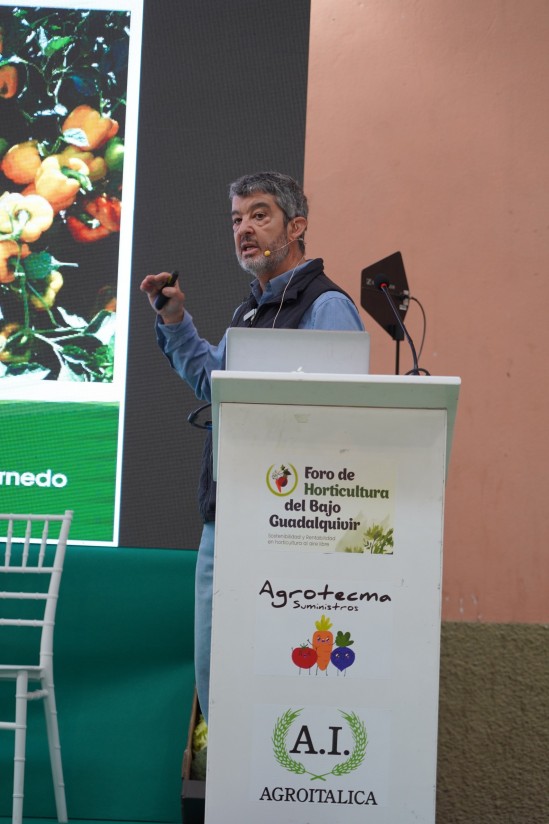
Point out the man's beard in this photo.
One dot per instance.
(262, 265)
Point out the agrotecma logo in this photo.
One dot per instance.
(282, 480)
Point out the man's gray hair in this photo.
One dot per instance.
(287, 192)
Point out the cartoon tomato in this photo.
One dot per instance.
(304, 657)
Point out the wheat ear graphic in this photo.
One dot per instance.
(360, 738)
(280, 732)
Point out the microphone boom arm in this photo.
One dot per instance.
(384, 287)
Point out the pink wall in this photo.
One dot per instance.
(428, 133)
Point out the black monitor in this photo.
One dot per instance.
(375, 302)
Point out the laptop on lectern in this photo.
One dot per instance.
(298, 350)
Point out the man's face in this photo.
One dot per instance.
(259, 225)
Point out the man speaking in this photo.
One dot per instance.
(269, 214)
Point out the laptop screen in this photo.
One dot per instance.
(298, 350)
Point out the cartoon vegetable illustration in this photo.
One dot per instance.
(280, 477)
(304, 657)
(343, 656)
(323, 641)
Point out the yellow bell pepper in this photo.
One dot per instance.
(45, 301)
(97, 166)
(58, 187)
(24, 217)
(22, 161)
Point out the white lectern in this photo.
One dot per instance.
(327, 597)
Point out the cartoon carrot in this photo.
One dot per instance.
(323, 641)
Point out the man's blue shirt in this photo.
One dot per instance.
(194, 358)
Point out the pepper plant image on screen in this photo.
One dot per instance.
(66, 108)
(63, 78)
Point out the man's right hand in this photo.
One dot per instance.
(174, 309)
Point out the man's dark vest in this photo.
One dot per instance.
(302, 291)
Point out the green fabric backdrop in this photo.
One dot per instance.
(124, 685)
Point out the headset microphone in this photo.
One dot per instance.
(268, 252)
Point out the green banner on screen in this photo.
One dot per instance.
(57, 456)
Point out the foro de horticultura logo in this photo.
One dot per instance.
(282, 480)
